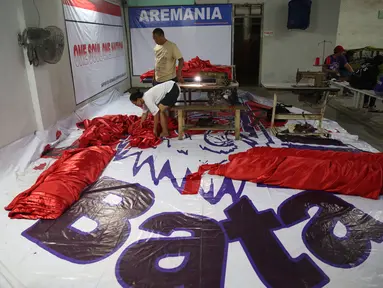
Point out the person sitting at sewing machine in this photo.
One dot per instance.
(337, 66)
(157, 100)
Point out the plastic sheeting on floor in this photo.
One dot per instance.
(133, 228)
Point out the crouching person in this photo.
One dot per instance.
(157, 100)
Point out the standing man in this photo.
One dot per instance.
(167, 54)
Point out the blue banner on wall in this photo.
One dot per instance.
(176, 16)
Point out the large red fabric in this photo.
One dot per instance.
(193, 67)
(61, 185)
(142, 136)
(108, 130)
(316, 154)
(359, 174)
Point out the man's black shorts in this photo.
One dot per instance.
(156, 83)
(171, 97)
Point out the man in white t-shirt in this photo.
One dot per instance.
(157, 100)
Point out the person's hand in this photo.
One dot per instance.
(180, 79)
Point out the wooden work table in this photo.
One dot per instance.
(292, 87)
(183, 109)
(188, 88)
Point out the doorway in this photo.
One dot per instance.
(247, 43)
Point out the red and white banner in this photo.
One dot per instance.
(96, 40)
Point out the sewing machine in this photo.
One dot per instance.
(318, 77)
(318, 80)
(221, 78)
(223, 91)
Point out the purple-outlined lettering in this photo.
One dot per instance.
(226, 187)
(348, 251)
(60, 238)
(205, 253)
(274, 266)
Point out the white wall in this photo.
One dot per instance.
(286, 51)
(54, 82)
(33, 98)
(16, 112)
(359, 25)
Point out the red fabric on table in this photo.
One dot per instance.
(58, 187)
(193, 67)
(358, 174)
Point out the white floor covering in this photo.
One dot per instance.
(174, 240)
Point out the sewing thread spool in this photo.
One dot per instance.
(317, 61)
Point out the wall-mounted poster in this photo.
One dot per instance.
(96, 42)
(198, 30)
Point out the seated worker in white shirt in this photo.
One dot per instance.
(157, 100)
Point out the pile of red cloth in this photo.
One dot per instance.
(61, 185)
(142, 136)
(359, 174)
(193, 67)
(110, 129)
(106, 130)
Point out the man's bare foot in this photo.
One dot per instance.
(164, 134)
